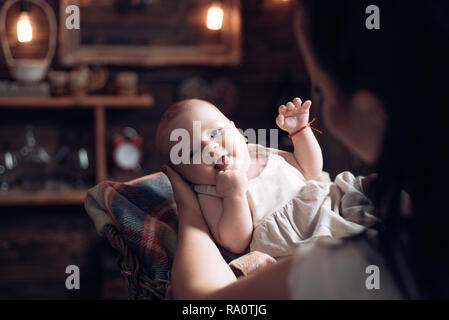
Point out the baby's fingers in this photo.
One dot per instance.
(297, 102)
(282, 109)
(280, 120)
(290, 106)
(306, 105)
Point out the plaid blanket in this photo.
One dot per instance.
(144, 211)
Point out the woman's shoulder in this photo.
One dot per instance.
(351, 268)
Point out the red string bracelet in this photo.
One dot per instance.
(302, 128)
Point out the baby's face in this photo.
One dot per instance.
(215, 144)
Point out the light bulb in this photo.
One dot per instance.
(24, 29)
(215, 17)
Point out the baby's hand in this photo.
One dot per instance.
(293, 116)
(231, 183)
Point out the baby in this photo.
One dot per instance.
(252, 196)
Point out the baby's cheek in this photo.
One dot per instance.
(201, 174)
(231, 142)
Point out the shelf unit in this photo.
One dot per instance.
(99, 104)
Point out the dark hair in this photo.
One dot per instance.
(404, 63)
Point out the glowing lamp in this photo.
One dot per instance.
(27, 70)
(24, 28)
(215, 16)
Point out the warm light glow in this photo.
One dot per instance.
(215, 17)
(24, 29)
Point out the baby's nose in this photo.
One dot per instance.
(212, 148)
(213, 145)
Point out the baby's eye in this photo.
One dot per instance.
(215, 132)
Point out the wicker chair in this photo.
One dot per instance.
(140, 285)
(139, 282)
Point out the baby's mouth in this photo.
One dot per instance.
(224, 162)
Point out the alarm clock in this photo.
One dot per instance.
(127, 150)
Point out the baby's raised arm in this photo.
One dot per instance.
(293, 117)
(229, 218)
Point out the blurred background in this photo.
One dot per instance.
(80, 100)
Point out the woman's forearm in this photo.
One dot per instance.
(198, 267)
(199, 270)
(269, 283)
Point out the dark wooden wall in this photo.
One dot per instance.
(37, 243)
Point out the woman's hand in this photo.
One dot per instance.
(185, 198)
(199, 270)
(198, 267)
(294, 115)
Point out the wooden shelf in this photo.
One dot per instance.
(98, 104)
(110, 101)
(42, 197)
